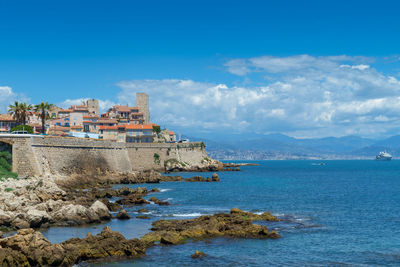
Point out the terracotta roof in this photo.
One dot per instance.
(76, 127)
(139, 126)
(90, 117)
(171, 133)
(112, 127)
(121, 108)
(6, 117)
(65, 111)
(88, 122)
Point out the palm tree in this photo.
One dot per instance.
(19, 111)
(15, 111)
(43, 109)
(24, 109)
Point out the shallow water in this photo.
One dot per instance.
(341, 213)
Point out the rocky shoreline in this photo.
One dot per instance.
(30, 248)
(37, 202)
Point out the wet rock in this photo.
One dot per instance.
(123, 215)
(198, 254)
(236, 224)
(143, 217)
(159, 202)
(171, 178)
(202, 179)
(125, 191)
(30, 248)
(155, 190)
(215, 177)
(171, 238)
(142, 210)
(112, 206)
(132, 201)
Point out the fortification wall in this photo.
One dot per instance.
(60, 155)
(153, 156)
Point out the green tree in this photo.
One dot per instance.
(43, 109)
(156, 129)
(22, 127)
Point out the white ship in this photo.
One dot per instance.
(383, 155)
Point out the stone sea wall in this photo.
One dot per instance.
(60, 155)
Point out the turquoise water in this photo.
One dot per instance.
(341, 213)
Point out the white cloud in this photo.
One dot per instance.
(7, 97)
(304, 96)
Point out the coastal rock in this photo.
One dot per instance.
(236, 224)
(198, 254)
(142, 210)
(112, 206)
(143, 217)
(215, 177)
(36, 217)
(171, 178)
(171, 238)
(132, 200)
(100, 210)
(202, 179)
(30, 248)
(5, 219)
(159, 202)
(123, 215)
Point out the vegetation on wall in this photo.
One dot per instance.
(6, 165)
(156, 158)
(27, 128)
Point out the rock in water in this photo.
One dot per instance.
(30, 248)
(198, 254)
(215, 177)
(123, 215)
(236, 224)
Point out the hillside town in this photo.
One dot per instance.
(120, 123)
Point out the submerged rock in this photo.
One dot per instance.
(143, 210)
(198, 254)
(143, 217)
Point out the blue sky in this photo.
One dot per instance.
(303, 68)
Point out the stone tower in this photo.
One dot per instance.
(142, 102)
(93, 106)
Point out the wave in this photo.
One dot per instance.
(195, 214)
(165, 190)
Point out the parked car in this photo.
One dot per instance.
(19, 132)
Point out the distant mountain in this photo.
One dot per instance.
(279, 146)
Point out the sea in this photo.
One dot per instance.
(334, 213)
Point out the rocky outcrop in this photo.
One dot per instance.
(123, 215)
(214, 178)
(236, 224)
(30, 248)
(159, 202)
(38, 202)
(207, 165)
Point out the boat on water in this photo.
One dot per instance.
(383, 155)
